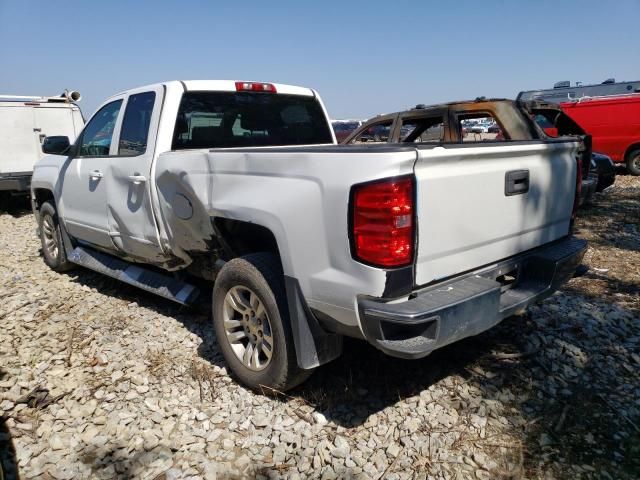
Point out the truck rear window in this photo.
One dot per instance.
(246, 119)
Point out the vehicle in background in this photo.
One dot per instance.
(604, 169)
(494, 128)
(614, 125)
(564, 91)
(376, 133)
(553, 122)
(343, 128)
(602, 172)
(398, 127)
(482, 127)
(472, 128)
(26, 123)
(410, 247)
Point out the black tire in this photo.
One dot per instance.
(49, 231)
(5, 199)
(633, 161)
(262, 274)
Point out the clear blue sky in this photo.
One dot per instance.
(363, 57)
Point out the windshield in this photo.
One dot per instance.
(246, 119)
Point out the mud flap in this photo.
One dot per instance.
(314, 346)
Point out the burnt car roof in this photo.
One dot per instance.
(514, 112)
(435, 106)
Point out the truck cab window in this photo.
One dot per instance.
(135, 125)
(96, 138)
(422, 130)
(243, 119)
(376, 133)
(480, 127)
(545, 124)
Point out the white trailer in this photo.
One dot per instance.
(25, 122)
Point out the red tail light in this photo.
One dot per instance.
(255, 87)
(383, 222)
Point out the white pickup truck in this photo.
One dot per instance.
(408, 246)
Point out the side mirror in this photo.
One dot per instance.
(56, 145)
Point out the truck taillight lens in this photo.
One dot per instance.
(255, 87)
(383, 222)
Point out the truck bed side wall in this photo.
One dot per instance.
(300, 194)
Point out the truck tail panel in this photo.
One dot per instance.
(479, 204)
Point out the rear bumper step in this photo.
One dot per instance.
(443, 314)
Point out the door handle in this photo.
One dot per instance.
(95, 174)
(137, 179)
(516, 182)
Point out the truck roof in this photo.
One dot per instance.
(564, 91)
(604, 100)
(228, 86)
(29, 99)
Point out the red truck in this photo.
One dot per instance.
(614, 125)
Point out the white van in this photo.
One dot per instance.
(24, 124)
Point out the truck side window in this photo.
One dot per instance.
(376, 133)
(480, 127)
(422, 130)
(96, 138)
(135, 125)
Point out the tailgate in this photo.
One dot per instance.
(479, 204)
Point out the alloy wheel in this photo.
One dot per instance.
(50, 237)
(247, 326)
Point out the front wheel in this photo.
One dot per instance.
(633, 162)
(53, 250)
(251, 321)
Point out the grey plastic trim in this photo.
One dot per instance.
(314, 346)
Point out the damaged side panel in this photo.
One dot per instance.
(298, 194)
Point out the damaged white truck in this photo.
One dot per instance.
(409, 246)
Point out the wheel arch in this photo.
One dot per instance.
(40, 196)
(242, 238)
(314, 346)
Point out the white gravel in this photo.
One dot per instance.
(132, 386)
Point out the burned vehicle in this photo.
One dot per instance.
(467, 122)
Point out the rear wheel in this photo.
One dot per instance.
(53, 250)
(251, 321)
(633, 161)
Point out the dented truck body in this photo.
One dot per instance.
(488, 224)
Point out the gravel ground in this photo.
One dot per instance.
(99, 380)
